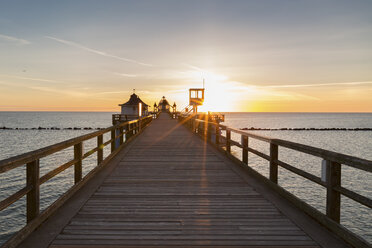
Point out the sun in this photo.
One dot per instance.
(221, 94)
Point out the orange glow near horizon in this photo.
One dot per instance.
(221, 95)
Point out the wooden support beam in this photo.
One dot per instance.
(78, 154)
(333, 179)
(217, 131)
(245, 149)
(121, 135)
(113, 140)
(228, 139)
(209, 133)
(127, 135)
(33, 197)
(273, 165)
(100, 149)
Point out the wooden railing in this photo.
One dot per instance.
(117, 118)
(32, 159)
(331, 165)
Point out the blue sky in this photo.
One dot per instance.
(89, 55)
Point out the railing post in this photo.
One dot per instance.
(217, 131)
(139, 124)
(117, 139)
(245, 150)
(33, 197)
(333, 179)
(209, 133)
(78, 154)
(113, 140)
(127, 134)
(121, 135)
(100, 149)
(131, 128)
(228, 138)
(273, 165)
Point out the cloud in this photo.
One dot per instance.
(313, 85)
(29, 78)
(15, 40)
(73, 44)
(113, 92)
(126, 75)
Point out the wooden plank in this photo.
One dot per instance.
(171, 231)
(173, 190)
(240, 237)
(178, 246)
(189, 242)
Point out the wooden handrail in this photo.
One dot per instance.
(16, 161)
(31, 159)
(355, 162)
(332, 161)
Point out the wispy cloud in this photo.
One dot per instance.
(314, 85)
(30, 78)
(15, 40)
(73, 44)
(193, 67)
(126, 75)
(73, 93)
(113, 92)
(77, 92)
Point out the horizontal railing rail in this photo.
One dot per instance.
(331, 175)
(32, 162)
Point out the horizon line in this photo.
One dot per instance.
(97, 111)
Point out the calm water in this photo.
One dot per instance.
(356, 143)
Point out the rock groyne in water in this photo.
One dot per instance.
(51, 128)
(307, 129)
(245, 128)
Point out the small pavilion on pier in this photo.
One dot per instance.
(134, 108)
(164, 105)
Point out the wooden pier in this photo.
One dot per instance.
(167, 187)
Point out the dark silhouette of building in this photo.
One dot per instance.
(164, 105)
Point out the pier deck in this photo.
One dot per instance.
(170, 188)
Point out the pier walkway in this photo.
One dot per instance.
(168, 187)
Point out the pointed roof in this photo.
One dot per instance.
(133, 100)
(163, 101)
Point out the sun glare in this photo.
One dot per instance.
(221, 94)
(218, 96)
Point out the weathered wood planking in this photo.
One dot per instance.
(171, 189)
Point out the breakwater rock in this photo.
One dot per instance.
(306, 129)
(51, 128)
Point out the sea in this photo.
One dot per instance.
(28, 131)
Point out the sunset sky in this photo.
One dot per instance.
(300, 56)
